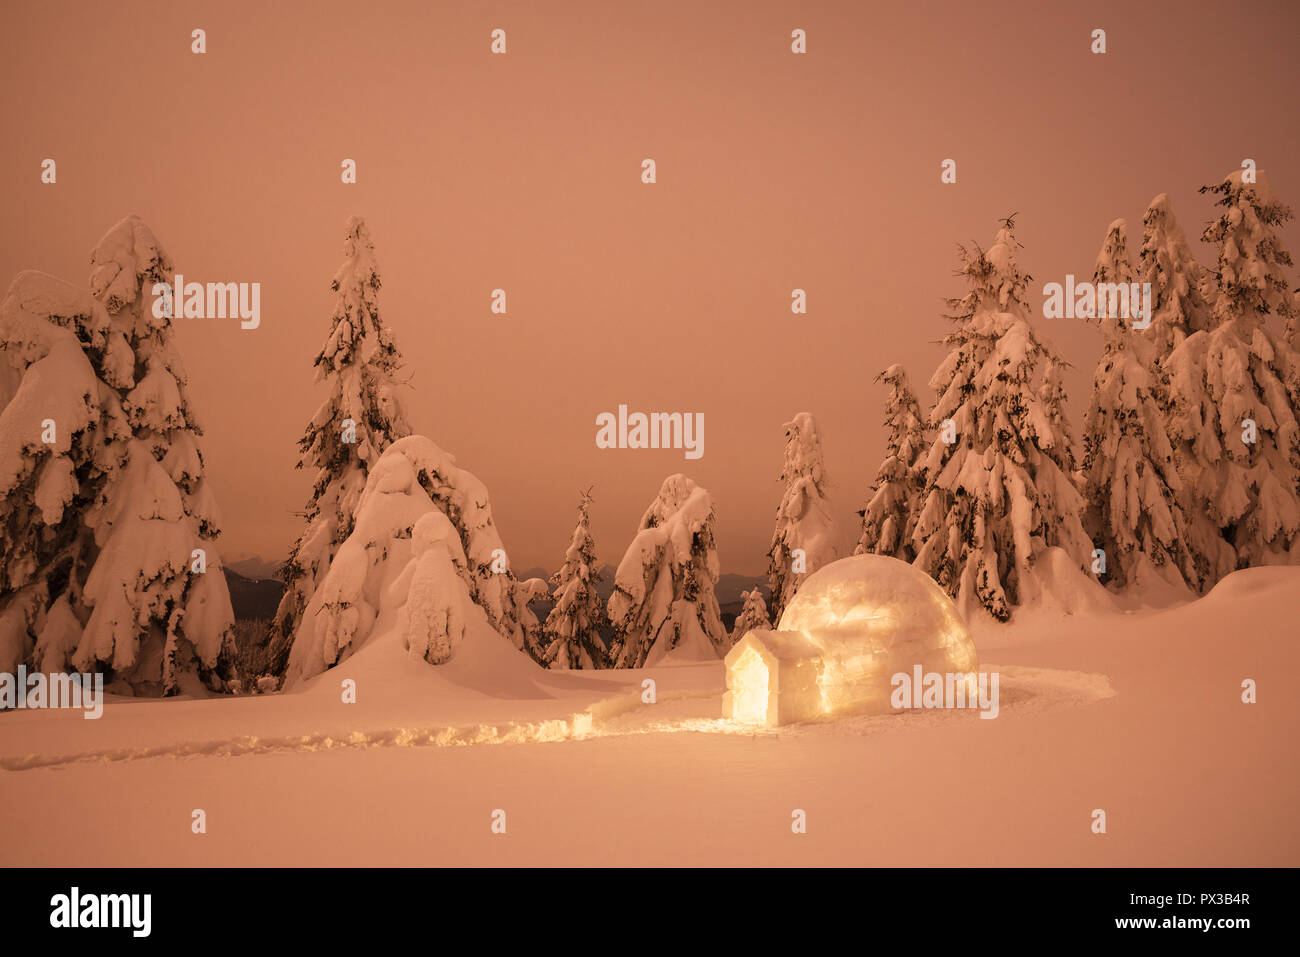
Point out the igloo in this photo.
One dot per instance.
(851, 627)
(773, 677)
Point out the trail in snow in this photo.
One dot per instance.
(1023, 691)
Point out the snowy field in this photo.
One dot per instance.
(1135, 712)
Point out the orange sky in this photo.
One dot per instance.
(522, 172)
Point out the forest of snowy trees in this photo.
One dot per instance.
(1186, 467)
(1190, 453)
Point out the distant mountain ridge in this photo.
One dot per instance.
(255, 590)
(255, 567)
(252, 597)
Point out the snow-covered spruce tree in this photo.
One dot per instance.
(360, 418)
(888, 518)
(572, 630)
(804, 537)
(1130, 481)
(1179, 308)
(1227, 384)
(998, 488)
(120, 575)
(663, 601)
(1291, 335)
(1165, 260)
(423, 545)
(753, 615)
(62, 435)
(161, 608)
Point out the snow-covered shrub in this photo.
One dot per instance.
(753, 615)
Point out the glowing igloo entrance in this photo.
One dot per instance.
(773, 678)
(851, 627)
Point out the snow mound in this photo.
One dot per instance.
(1056, 583)
(872, 617)
(482, 666)
(1252, 583)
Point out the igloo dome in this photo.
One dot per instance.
(852, 626)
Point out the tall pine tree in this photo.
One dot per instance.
(1227, 383)
(572, 629)
(1179, 285)
(888, 518)
(122, 576)
(998, 489)
(362, 416)
(63, 438)
(804, 537)
(1130, 480)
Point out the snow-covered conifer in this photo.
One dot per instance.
(1179, 287)
(663, 601)
(888, 517)
(360, 418)
(1130, 480)
(120, 573)
(426, 526)
(804, 537)
(62, 435)
(1165, 261)
(1228, 384)
(753, 615)
(998, 488)
(572, 629)
(161, 512)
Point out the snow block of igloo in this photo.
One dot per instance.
(773, 678)
(871, 617)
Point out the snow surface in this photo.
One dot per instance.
(1137, 712)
